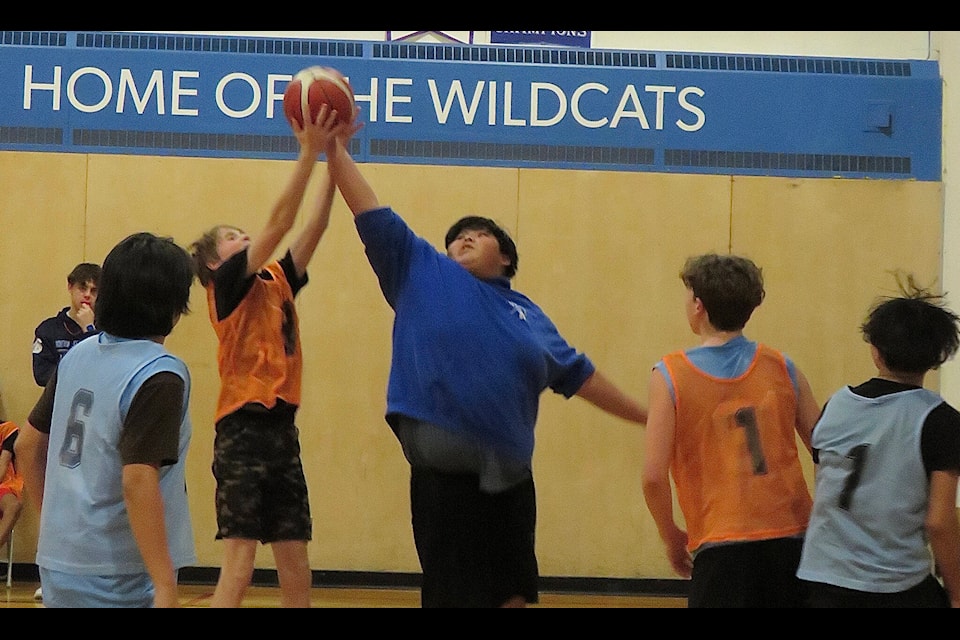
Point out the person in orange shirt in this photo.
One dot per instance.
(261, 493)
(11, 483)
(723, 420)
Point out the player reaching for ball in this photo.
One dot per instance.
(471, 358)
(261, 493)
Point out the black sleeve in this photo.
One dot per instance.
(231, 284)
(290, 270)
(42, 413)
(151, 430)
(940, 439)
(45, 356)
(8, 443)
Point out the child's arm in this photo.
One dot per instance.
(144, 502)
(599, 391)
(943, 531)
(808, 411)
(356, 191)
(306, 243)
(5, 457)
(658, 452)
(30, 450)
(312, 138)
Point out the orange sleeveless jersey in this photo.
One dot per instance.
(259, 355)
(735, 463)
(11, 479)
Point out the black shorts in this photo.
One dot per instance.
(929, 594)
(756, 574)
(261, 490)
(476, 549)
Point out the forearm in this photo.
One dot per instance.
(943, 530)
(946, 551)
(659, 499)
(306, 243)
(356, 191)
(144, 502)
(31, 453)
(602, 393)
(283, 215)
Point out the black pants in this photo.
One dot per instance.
(476, 549)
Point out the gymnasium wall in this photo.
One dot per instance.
(599, 251)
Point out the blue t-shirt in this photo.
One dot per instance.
(469, 355)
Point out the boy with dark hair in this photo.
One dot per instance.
(103, 454)
(888, 459)
(723, 421)
(55, 336)
(471, 358)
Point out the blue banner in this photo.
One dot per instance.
(478, 104)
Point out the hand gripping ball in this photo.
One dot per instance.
(314, 86)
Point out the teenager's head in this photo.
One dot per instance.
(913, 333)
(482, 247)
(83, 283)
(214, 247)
(729, 287)
(144, 287)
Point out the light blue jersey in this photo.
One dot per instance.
(84, 527)
(867, 531)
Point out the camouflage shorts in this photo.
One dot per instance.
(261, 489)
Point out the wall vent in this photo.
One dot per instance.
(154, 140)
(514, 55)
(763, 161)
(779, 64)
(438, 150)
(34, 38)
(31, 135)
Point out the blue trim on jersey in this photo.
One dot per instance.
(729, 360)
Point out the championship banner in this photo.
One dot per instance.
(561, 38)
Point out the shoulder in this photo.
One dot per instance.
(48, 324)
(946, 414)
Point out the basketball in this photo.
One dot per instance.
(314, 86)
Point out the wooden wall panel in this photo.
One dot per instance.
(599, 251)
(42, 237)
(828, 248)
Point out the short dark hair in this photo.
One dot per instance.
(730, 288)
(507, 246)
(83, 273)
(144, 287)
(913, 333)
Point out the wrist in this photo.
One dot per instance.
(90, 328)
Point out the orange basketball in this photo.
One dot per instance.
(314, 86)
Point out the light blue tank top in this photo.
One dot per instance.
(867, 529)
(84, 528)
